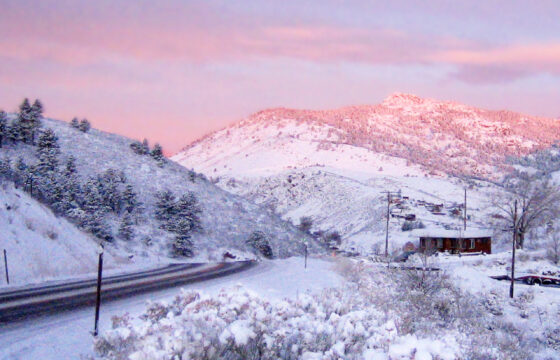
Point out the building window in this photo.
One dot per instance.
(472, 243)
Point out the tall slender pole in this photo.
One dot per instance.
(6, 267)
(98, 299)
(513, 249)
(387, 226)
(465, 212)
(305, 256)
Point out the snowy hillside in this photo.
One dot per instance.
(226, 221)
(41, 246)
(335, 166)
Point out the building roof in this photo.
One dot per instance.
(443, 233)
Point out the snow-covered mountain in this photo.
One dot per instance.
(334, 166)
(227, 220)
(442, 137)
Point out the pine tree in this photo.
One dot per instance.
(188, 210)
(145, 147)
(93, 212)
(183, 246)
(126, 230)
(14, 132)
(84, 125)
(35, 120)
(47, 152)
(129, 199)
(71, 189)
(157, 154)
(6, 171)
(109, 183)
(70, 168)
(20, 172)
(75, 123)
(25, 120)
(259, 241)
(3, 126)
(165, 206)
(136, 146)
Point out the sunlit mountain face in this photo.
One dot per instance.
(441, 137)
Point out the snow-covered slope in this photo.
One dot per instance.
(335, 166)
(227, 220)
(41, 246)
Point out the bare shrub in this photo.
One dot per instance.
(30, 224)
(51, 234)
(553, 248)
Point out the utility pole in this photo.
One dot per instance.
(387, 224)
(513, 249)
(387, 227)
(6, 267)
(98, 299)
(465, 211)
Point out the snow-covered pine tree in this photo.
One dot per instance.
(25, 120)
(92, 216)
(145, 147)
(3, 126)
(84, 125)
(92, 199)
(183, 245)
(48, 151)
(187, 209)
(6, 171)
(14, 132)
(165, 206)
(109, 183)
(75, 123)
(157, 154)
(126, 230)
(20, 172)
(136, 146)
(129, 199)
(36, 116)
(70, 167)
(71, 189)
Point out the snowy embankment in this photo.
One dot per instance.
(41, 246)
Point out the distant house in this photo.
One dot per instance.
(455, 241)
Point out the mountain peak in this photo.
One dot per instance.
(403, 99)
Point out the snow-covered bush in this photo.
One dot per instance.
(411, 225)
(378, 314)
(258, 241)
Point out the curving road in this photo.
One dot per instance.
(22, 304)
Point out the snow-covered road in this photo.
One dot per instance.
(67, 335)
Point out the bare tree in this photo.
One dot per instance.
(537, 203)
(554, 248)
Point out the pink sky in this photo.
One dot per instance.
(172, 71)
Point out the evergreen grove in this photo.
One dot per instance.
(88, 203)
